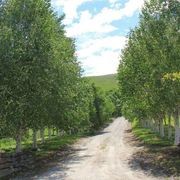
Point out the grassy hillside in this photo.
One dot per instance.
(106, 82)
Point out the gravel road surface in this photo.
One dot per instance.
(101, 157)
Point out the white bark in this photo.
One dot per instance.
(141, 123)
(149, 124)
(161, 128)
(153, 125)
(157, 130)
(144, 123)
(18, 143)
(34, 145)
(169, 128)
(177, 129)
(42, 135)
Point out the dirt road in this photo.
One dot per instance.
(101, 157)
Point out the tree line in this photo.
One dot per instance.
(41, 83)
(148, 74)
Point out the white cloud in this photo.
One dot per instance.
(101, 22)
(98, 51)
(89, 24)
(101, 56)
(115, 4)
(132, 6)
(113, 1)
(94, 46)
(105, 63)
(69, 8)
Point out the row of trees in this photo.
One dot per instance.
(149, 72)
(40, 79)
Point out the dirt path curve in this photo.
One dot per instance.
(101, 157)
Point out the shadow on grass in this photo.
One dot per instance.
(47, 155)
(55, 167)
(158, 156)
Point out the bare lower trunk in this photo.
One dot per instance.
(49, 133)
(161, 128)
(42, 135)
(18, 143)
(177, 135)
(177, 129)
(144, 123)
(157, 130)
(169, 128)
(147, 124)
(141, 123)
(34, 145)
(153, 125)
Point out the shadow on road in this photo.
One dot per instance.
(55, 168)
(154, 160)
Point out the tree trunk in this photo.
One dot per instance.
(157, 130)
(161, 128)
(147, 124)
(153, 125)
(141, 123)
(169, 128)
(144, 123)
(34, 145)
(150, 124)
(177, 129)
(49, 133)
(42, 135)
(18, 142)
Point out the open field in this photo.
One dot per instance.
(106, 82)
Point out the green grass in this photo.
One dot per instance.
(54, 144)
(106, 82)
(148, 137)
(158, 155)
(8, 145)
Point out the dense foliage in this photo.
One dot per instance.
(40, 79)
(149, 70)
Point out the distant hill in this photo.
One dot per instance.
(106, 82)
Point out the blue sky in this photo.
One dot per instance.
(100, 28)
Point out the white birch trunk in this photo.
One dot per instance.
(169, 128)
(18, 143)
(141, 123)
(144, 123)
(156, 127)
(153, 125)
(161, 128)
(177, 129)
(147, 124)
